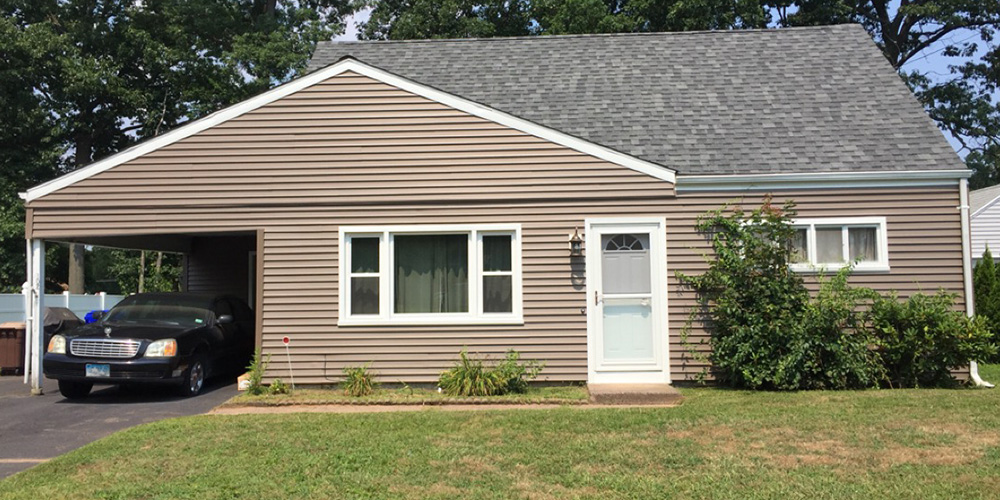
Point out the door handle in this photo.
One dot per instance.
(597, 297)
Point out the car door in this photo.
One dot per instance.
(228, 332)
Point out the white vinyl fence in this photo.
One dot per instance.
(12, 304)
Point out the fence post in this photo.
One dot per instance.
(104, 298)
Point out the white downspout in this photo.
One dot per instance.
(963, 188)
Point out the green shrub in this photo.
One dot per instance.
(838, 347)
(765, 332)
(359, 381)
(986, 288)
(278, 387)
(470, 377)
(515, 375)
(256, 369)
(474, 377)
(922, 339)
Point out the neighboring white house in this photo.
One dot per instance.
(984, 204)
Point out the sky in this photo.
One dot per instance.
(931, 61)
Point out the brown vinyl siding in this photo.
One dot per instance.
(353, 151)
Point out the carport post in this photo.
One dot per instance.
(34, 315)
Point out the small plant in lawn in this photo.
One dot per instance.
(278, 387)
(515, 375)
(359, 381)
(472, 376)
(256, 373)
(469, 377)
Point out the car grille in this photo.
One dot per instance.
(103, 348)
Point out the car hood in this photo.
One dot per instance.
(129, 331)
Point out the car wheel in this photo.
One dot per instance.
(74, 390)
(194, 377)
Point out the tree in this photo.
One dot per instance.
(105, 73)
(420, 19)
(986, 290)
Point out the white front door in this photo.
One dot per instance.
(627, 312)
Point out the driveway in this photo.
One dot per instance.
(36, 428)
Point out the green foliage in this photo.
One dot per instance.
(470, 377)
(922, 338)
(256, 369)
(359, 381)
(986, 288)
(161, 271)
(765, 331)
(473, 377)
(515, 375)
(278, 387)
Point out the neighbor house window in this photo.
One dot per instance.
(431, 275)
(834, 243)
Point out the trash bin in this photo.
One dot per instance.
(11, 348)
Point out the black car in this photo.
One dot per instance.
(154, 338)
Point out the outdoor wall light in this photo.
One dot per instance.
(576, 243)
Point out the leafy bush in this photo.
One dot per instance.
(472, 377)
(923, 338)
(765, 332)
(278, 387)
(359, 381)
(256, 369)
(514, 375)
(838, 346)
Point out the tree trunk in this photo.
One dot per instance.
(77, 282)
(142, 270)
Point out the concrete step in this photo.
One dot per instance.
(634, 394)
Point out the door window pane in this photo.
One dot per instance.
(829, 245)
(364, 255)
(432, 273)
(862, 244)
(364, 295)
(496, 253)
(497, 294)
(625, 264)
(799, 251)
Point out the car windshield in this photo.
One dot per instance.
(159, 312)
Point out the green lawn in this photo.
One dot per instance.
(720, 444)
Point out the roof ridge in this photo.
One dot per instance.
(768, 31)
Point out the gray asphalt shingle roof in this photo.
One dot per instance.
(818, 99)
(981, 197)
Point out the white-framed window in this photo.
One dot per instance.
(430, 274)
(832, 243)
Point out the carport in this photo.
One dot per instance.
(215, 262)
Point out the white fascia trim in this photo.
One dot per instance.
(744, 182)
(335, 69)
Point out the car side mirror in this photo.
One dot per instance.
(225, 319)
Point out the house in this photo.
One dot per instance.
(985, 221)
(404, 200)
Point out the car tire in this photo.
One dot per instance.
(194, 377)
(74, 390)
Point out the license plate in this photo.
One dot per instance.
(98, 370)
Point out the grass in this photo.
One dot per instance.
(720, 444)
(410, 395)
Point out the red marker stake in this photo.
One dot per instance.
(285, 340)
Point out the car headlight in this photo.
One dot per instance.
(57, 344)
(162, 349)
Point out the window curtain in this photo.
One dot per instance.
(862, 244)
(432, 273)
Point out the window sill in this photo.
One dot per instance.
(433, 321)
(833, 268)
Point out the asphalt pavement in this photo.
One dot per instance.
(34, 429)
